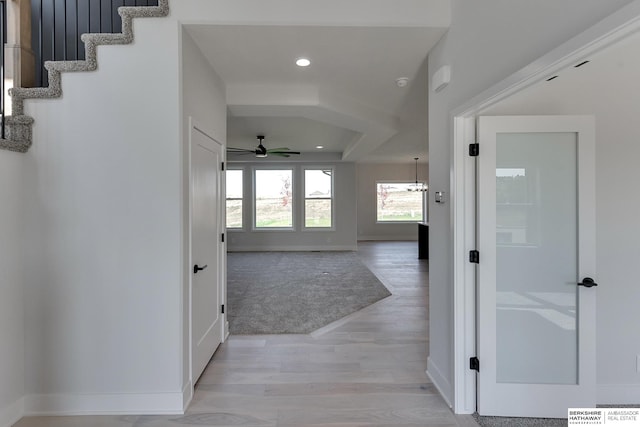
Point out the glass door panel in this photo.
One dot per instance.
(536, 258)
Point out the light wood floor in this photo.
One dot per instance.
(365, 370)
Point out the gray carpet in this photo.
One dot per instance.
(534, 422)
(519, 422)
(296, 292)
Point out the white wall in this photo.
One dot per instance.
(104, 215)
(487, 42)
(615, 106)
(104, 234)
(341, 237)
(368, 175)
(11, 287)
(203, 99)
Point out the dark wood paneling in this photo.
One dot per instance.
(59, 25)
(116, 25)
(56, 27)
(71, 30)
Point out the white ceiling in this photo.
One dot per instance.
(568, 92)
(288, 132)
(347, 100)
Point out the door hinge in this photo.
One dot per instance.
(474, 364)
(222, 236)
(474, 257)
(222, 309)
(474, 149)
(222, 166)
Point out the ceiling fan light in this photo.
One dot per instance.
(261, 151)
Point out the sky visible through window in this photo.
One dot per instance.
(234, 184)
(317, 183)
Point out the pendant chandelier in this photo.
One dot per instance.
(418, 186)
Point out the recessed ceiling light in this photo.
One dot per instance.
(319, 147)
(303, 62)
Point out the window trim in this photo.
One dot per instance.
(303, 218)
(396, 181)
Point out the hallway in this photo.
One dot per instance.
(365, 370)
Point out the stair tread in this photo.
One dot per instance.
(18, 127)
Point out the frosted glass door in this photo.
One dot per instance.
(536, 258)
(531, 310)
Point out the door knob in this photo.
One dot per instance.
(196, 268)
(587, 282)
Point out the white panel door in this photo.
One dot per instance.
(536, 237)
(206, 248)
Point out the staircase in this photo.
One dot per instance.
(18, 126)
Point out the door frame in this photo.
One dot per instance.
(222, 274)
(462, 122)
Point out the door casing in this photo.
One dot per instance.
(612, 29)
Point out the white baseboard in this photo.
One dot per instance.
(187, 395)
(238, 248)
(104, 404)
(618, 394)
(225, 335)
(10, 415)
(440, 381)
(401, 238)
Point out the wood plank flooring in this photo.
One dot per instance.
(365, 370)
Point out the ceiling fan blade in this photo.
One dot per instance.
(283, 152)
(262, 151)
(239, 150)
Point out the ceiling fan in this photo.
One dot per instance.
(262, 151)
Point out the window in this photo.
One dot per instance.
(396, 203)
(234, 198)
(318, 198)
(274, 198)
(517, 216)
